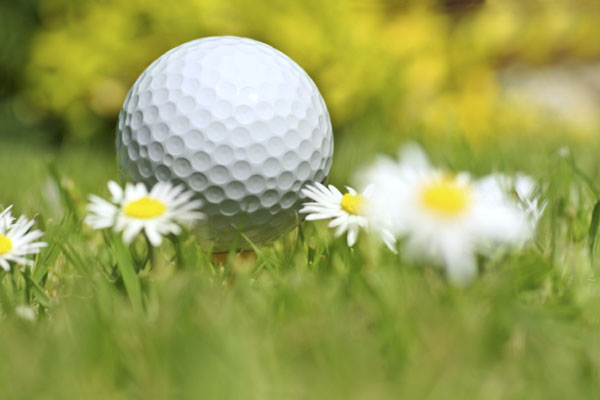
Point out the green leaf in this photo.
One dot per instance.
(593, 232)
(64, 193)
(38, 292)
(51, 253)
(127, 270)
(584, 177)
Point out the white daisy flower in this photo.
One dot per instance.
(133, 210)
(346, 211)
(25, 312)
(17, 240)
(443, 217)
(526, 190)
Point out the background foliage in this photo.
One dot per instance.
(436, 67)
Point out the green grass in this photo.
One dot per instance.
(310, 318)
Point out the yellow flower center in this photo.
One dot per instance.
(5, 244)
(145, 208)
(352, 203)
(445, 197)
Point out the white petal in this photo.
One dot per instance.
(116, 192)
(352, 235)
(131, 231)
(341, 228)
(339, 220)
(153, 236)
(413, 156)
(368, 192)
(524, 186)
(335, 192)
(461, 266)
(388, 239)
(318, 216)
(500, 223)
(18, 259)
(4, 264)
(6, 212)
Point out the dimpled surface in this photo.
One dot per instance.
(236, 121)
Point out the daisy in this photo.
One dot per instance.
(527, 191)
(17, 240)
(346, 211)
(25, 312)
(134, 209)
(524, 188)
(443, 217)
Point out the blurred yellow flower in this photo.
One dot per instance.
(412, 67)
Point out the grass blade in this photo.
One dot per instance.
(593, 232)
(127, 270)
(38, 292)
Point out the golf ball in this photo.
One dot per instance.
(236, 121)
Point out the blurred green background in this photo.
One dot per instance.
(487, 77)
(479, 69)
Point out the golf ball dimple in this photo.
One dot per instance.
(237, 122)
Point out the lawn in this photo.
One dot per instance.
(309, 318)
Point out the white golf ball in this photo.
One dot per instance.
(236, 121)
